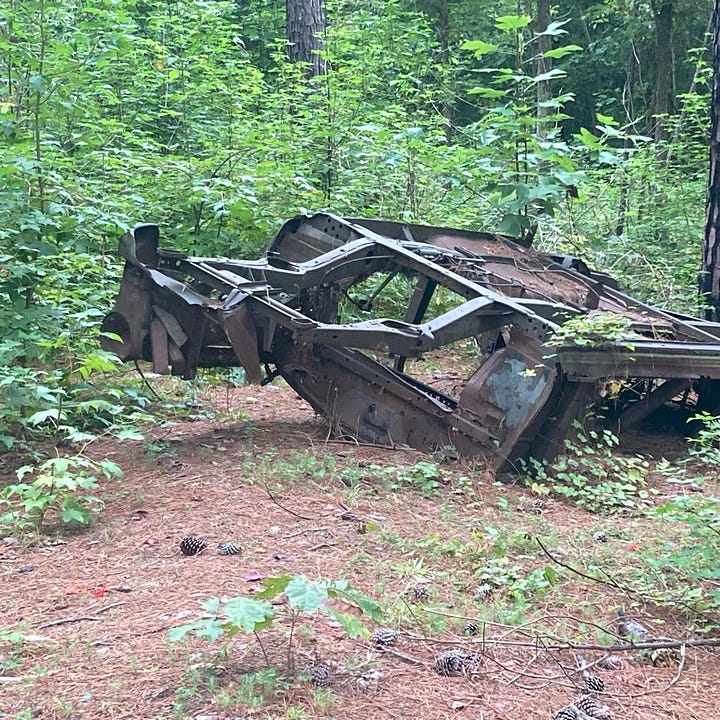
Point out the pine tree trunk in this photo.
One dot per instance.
(663, 66)
(305, 28)
(710, 278)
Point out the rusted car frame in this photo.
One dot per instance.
(279, 316)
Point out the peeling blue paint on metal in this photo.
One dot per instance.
(514, 391)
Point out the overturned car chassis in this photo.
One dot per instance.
(278, 316)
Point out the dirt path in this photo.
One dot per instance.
(94, 607)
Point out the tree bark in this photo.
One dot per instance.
(542, 64)
(305, 29)
(663, 65)
(710, 277)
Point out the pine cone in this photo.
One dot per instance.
(228, 548)
(665, 657)
(593, 684)
(320, 675)
(385, 637)
(631, 629)
(566, 713)
(470, 629)
(610, 662)
(418, 593)
(591, 708)
(191, 545)
(483, 592)
(457, 662)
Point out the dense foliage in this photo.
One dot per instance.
(190, 115)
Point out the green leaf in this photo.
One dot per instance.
(490, 93)
(479, 47)
(273, 586)
(561, 52)
(129, 434)
(550, 574)
(606, 119)
(351, 624)
(75, 515)
(208, 629)
(247, 614)
(211, 605)
(588, 139)
(555, 28)
(39, 417)
(549, 75)
(512, 22)
(366, 604)
(37, 83)
(306, 595)
(607, 157)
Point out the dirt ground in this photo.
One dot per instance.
(94, 607)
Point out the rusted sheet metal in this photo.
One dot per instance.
(284, 313)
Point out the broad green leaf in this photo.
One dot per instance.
(273, 586)
(490, 93)
(39, 417)
(306, 595)
(606, 157)
(351, 624)
(129, 434)
(550, 574)
(561, 52)
(512, 22)
(549, 75)
(415, 133)
(479, 47)
(24, 470)
(211, 605)
(75, 515)
(606, 119)
(350, 594)
(247, 614)
(208, 629)
(37, 83)
(588, 139)
(555, 28)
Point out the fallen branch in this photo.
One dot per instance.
(78, 618)
(282, 507)
(594, 578)
(610, 582)
(322, 545)
(401, 656)
(322, 528)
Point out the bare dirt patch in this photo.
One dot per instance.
(94, 607)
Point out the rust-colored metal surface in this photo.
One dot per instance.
(320, 310)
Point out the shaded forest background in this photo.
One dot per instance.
(583, 123)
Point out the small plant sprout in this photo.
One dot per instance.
(304, 597)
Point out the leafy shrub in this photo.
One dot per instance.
(705, 444)
(56, 485)
(591, 475)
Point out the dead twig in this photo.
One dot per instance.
(610, 582)
(401, 656)
(80, 617)
(322, 545)
(282, 507)
(305, 531)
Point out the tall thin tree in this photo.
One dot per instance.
(710, 277)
